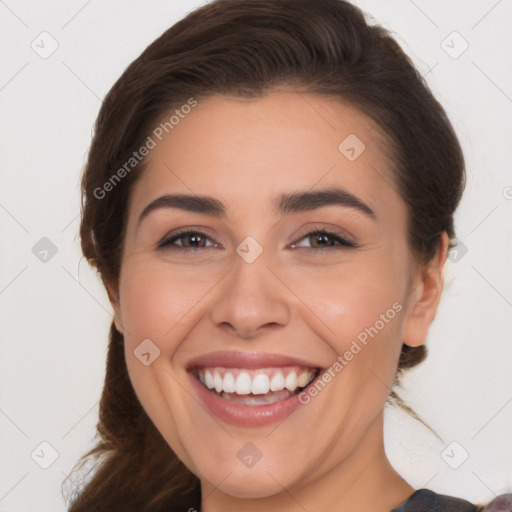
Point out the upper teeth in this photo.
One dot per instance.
(257, 382)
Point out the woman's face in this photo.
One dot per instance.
(250, 299)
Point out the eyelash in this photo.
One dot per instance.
(343, 242)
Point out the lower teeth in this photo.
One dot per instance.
(270, 398)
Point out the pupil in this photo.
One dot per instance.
(321, 238)
(194, 238)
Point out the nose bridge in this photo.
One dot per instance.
(251, 296)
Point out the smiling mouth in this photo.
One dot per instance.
(261, 386)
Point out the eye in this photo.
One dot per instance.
(194, 240)
(322, 237)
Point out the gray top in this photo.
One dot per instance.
(425, 500)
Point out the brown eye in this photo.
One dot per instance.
(322, 240)
(190, 240)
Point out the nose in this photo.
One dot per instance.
(252, 300)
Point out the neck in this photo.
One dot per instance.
(364, 480)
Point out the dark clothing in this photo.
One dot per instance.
(425, 500)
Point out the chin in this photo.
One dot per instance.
(251, 486)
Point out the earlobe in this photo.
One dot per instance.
(113, 297)
(424, 297)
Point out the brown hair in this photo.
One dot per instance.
(245, 48)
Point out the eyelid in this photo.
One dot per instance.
(331, 231)
(179, 233)
(344, 241)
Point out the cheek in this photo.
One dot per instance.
(352, 298)
(156, 299)
(361, 306)
(156, 302)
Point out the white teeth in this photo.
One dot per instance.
(208, 379)
(229, 383)
(291, 381)
(217, 380)
(260, 384)
(243, 384)
(277, 383)
(256, 382)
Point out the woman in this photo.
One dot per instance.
(269, 201)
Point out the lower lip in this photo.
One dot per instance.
(244, 415)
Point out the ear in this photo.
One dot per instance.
(424, 296)
(113, 297)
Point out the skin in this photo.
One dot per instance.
(328, 454)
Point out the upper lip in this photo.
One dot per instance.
(249, 360)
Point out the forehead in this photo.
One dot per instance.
(247, 149)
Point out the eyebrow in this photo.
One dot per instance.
(284, 204)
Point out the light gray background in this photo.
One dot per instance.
(55, 315)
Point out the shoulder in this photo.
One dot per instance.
(502, 503)
(425, 500)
